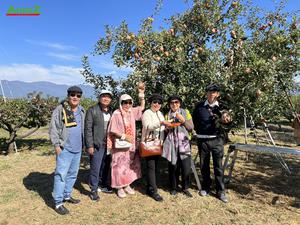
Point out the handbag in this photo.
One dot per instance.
(151, 146)
(122, 144)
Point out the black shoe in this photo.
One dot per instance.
(94, 196)
(107, 190)
(222, 197)
(156, 197)
(187, 193)
(61, 210)
(72, 200)
(173, 192)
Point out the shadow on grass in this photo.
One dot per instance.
(42, 184)
(25, 144)
(265, 175)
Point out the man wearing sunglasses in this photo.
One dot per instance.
(210, 140)
(66, 134)
(96, 123)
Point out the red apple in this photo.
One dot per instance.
(247, 70)
(234, 5)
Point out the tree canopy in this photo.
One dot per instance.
(253, 54)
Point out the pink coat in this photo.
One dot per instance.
(125, 165)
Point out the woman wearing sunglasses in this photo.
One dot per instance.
(153, 127)
(125, 165)
(177, 148)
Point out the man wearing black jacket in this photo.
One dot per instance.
(96, 123)
(206, 116)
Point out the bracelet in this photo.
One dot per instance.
(142, 95)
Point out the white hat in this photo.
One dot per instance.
(105, 92)
(124, 97)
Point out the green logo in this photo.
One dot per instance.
(12, 11)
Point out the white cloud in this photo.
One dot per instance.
(64, 56)
(34, 72)
(47, 44)
(104, 63)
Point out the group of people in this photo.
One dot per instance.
(101, 130)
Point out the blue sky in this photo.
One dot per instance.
(49, 47)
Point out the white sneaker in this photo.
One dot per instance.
(129, 190)
(121, 193)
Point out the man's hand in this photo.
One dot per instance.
(57, 150)
(226, 117)
(90, 151)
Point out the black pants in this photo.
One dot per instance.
(105, 172)
(99, 168)
(152, 165)
(182, 167)
(215, 146)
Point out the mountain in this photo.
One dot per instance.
(18, 89)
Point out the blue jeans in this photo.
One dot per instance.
(67, 166)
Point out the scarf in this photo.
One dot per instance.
(177, 141)
(68, 115)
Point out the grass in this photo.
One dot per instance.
(259, 193)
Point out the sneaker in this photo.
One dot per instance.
(129, 190)
(107, 190)
(173, 192)
(187, 193)
(72, 200)
(61, 210)
(203, 193)
(94, 196)
(121, 193)
(156, 197)
(222, 197)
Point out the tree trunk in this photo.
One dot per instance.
(11, 147)
(10, 142)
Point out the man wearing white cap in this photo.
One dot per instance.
(96, 123)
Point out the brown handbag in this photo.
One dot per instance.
(151, 146)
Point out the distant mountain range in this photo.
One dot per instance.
(18, 89)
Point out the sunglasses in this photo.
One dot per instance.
(157, 102)
(77, 95)
(174, 102)
(126, 102)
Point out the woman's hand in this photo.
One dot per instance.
(128, 138)
(180, 118)
(141, 87)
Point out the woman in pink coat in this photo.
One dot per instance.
(125, 165)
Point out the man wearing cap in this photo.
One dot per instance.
(96, 123)
(205, 117)
(66, 134)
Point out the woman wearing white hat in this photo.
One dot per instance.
(125, 165)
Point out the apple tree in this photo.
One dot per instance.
(31, 113)
(252, 53)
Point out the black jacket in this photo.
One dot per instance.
(204, 118)
(94, 127)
